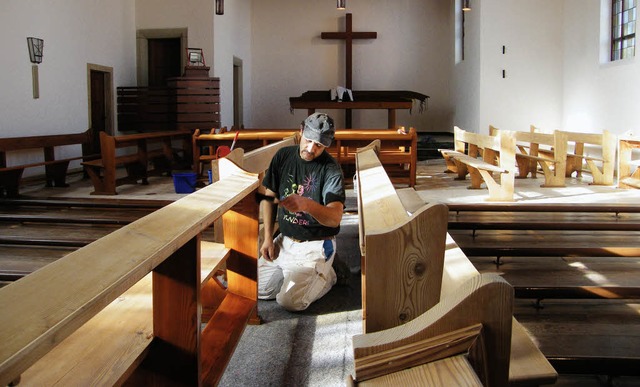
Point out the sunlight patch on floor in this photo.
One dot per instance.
(332, 347)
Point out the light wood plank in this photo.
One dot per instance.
(112, 342)
(452, 371)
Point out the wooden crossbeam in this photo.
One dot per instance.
(348, 36)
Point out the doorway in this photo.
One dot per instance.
(237, 93)
(100, 86)
(164, 60)
(143, 52)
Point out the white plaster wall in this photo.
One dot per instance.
(466, 73)
(232, 33)
(75, 33)
(414, 51)
(531, 93)
(598, 94)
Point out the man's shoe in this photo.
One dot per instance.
(342, 271)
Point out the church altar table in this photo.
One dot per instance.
(383, 99)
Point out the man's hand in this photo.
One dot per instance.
(329, 215)
(295, 203)
(268, 250)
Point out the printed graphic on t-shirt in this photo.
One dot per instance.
(307, 188)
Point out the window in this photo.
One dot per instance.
(623, 29)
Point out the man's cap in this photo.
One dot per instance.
(319, 127)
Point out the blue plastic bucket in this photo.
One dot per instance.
(184, 182)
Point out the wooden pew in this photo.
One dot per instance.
(125, 309)
(392, 241)
(601, 167)
(527, 365)
(498, 156)
(210, 153)
(551, 157)
(628, 165)
(55, 168)
(103, 172)
(398, 152)
(564, 152)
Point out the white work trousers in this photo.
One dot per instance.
(301, 273)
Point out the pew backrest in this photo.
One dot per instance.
(396, 244)
(45, 142)
(55, 166)
(255, 161)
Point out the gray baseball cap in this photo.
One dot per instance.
(319, 127)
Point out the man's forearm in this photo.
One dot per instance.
(268, 217)
(329, 215)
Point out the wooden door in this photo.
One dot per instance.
(164, 60)
(98, 110)
(237, 93)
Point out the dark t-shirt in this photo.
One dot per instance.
(319, 179)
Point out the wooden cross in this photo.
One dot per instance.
(348, 36)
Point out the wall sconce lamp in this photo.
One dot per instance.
(219, 7)
(341, 4)
(35, 49)
(465, 5)
(35, 46)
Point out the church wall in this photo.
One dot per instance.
(232, 39)
(466, 73)
(531, 91)
(103, 35)
(598, 94)
(413, 51)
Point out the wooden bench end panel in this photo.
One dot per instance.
(413, 254)
(486, 299)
